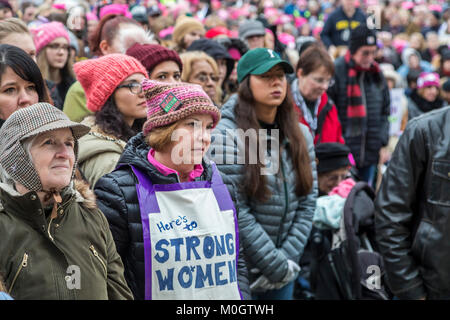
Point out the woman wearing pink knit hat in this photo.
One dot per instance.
(52, 50)
(112, 84)
(170, 213)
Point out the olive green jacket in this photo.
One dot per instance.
(72, 256)
(75, 103)
(98, 152)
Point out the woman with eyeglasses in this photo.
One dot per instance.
(315, 71)
(200, 68)
(52, 50)
(112, 84)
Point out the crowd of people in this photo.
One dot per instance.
(187, 149)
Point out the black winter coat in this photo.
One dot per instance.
(117, 199)
(412, 218)
(375, 93)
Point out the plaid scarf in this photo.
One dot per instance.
(356, 110)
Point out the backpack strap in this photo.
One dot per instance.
(321, 118)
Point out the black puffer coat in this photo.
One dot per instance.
(375, 93)
(117, 199)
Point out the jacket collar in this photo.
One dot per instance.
(27, 207)
(135, 154)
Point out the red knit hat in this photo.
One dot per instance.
(150, 55)
(169, 102)
(100, 77)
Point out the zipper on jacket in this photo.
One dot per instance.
(99, 259)
(48, 230)
(286, 199)
(23, 264)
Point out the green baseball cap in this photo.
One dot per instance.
(259, 61)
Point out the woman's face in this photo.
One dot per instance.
(313, 85)
(191, 37)
(58, 53)
(430, 93)
(23, 41)
(204, 75)
(15, 93)
(269, 89)
(166, 71)
(414, 62)
(53, 157)
(131, 105)
(191, 139)
(327, 181)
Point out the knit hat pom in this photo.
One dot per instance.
(170, 102)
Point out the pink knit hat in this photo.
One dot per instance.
(120, 9)
(428, 79)
(100, 77)
(169, 102)
(47, 32)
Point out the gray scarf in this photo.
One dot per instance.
(300, 102)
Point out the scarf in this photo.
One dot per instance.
(425, 105)
(356, 110)
(311, 119)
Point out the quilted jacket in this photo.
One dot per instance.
(278, 229)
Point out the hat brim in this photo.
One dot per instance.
(270, 64)
(253, 33)
(78, 129)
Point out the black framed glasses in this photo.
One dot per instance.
(134, 87)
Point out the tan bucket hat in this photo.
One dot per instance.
(23, 124)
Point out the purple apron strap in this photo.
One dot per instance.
(146, 190)
(225, 203)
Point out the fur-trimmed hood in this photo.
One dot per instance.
(78, 187)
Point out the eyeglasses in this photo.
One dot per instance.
(134, 87)
(321, 82)
(336, 178)
(57, 47)
(203, 77)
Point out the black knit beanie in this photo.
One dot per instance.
(361, 36)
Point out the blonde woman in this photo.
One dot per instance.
(200, 68)
(52, 49)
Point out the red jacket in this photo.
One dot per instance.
(331, 129)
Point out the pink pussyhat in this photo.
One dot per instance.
(299, 21)
(435, 7)
(59, 6)
(165, 32)
(91, 16)
(121, 9)
(428, 79)
(287, 39)
(407, 5)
